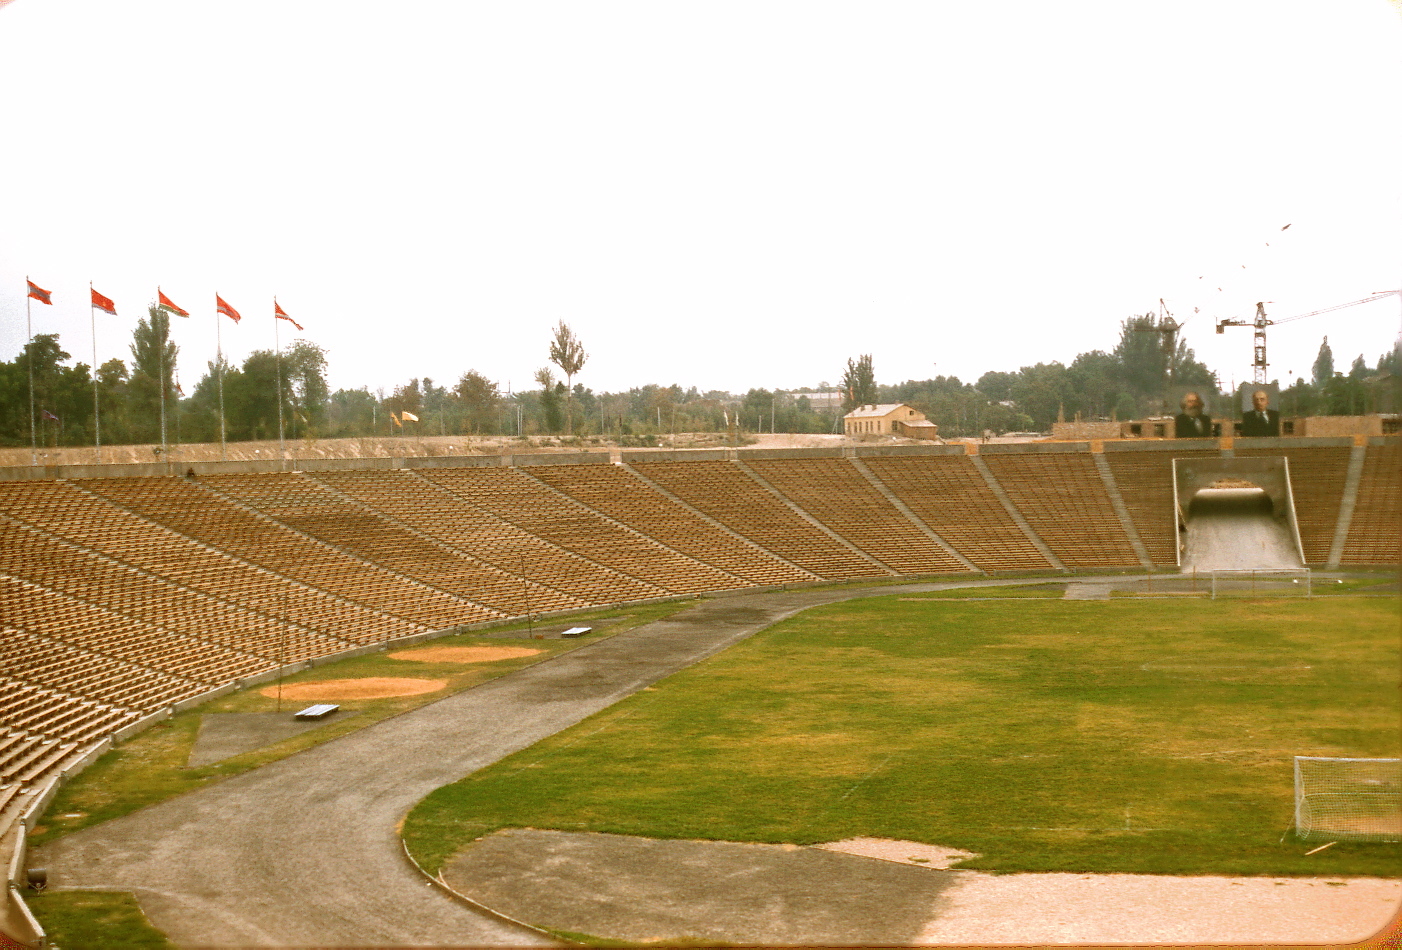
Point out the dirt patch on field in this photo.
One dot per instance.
(369, 687)
(902, 852)
(462, 654)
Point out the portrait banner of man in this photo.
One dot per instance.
(1193, 420)
(1260, 416)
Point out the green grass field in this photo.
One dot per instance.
(1147, 736)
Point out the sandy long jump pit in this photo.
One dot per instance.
(366, 687)
(462, 654)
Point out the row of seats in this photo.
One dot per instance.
(513, 496)
(429, 570)
(123, 595)
(624, 497)
(1064, 500)
(455, 522)
(726, 494)
(353, 600)
(951, 496)
(843, 500)
(1373, 536)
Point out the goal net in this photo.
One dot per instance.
(1353, 799)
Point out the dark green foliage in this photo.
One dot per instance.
(859, 383)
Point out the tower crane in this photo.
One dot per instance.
(1258, 363)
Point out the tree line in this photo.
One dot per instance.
(268, 394)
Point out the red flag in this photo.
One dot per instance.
(104, 304)
(223, 307)
(38, 293)
(164, 303)
(282, 315)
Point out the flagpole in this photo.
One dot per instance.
(96, 414)
(162, 344)
(277, 346)
(29, 325)
(219, 357)
(177, 411)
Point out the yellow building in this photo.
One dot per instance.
(889, 419)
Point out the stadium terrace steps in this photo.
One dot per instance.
(88, 520)
(88, 578)
(910, 515)
(1317, 476)
(725, 493)
(837, 496)
(286, 575)
(1063, 499)
(504, 590)
(318, 508)
(310, 516)
(1373, 534)
(947, 493)
(59, 616)
(623, 497)
(1145, 480)
(515, 497)
(449, 519)
(803, 575)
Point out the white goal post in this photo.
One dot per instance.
(1348, 799)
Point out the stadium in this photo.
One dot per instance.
(137, 595)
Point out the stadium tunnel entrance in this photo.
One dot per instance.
(1235, 514)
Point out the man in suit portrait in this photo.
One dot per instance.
(1192, 422)
(1261, 420)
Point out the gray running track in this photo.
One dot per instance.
(305, 852)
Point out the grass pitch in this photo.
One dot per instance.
(1141, 736)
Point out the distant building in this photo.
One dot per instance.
(889, 419)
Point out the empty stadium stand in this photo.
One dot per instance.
(1373, 536)
(124, 594)
(1061, 496)
(947, 493)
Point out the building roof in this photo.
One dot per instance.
(874, 412)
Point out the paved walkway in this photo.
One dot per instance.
(305, 851)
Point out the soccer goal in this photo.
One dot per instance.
(1348, 799)
(1291, 582)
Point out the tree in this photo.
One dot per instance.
(304, 385)
(112, 394)
(203, 421)
(996, 386)
(152, 366)
(549, 399)
(858, 383)
(567, 353)
(479, 399)
(1323, 370)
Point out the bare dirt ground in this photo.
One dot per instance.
(887, 893)
(461, 654)
(369, 687)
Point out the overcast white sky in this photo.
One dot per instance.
(720, 194)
